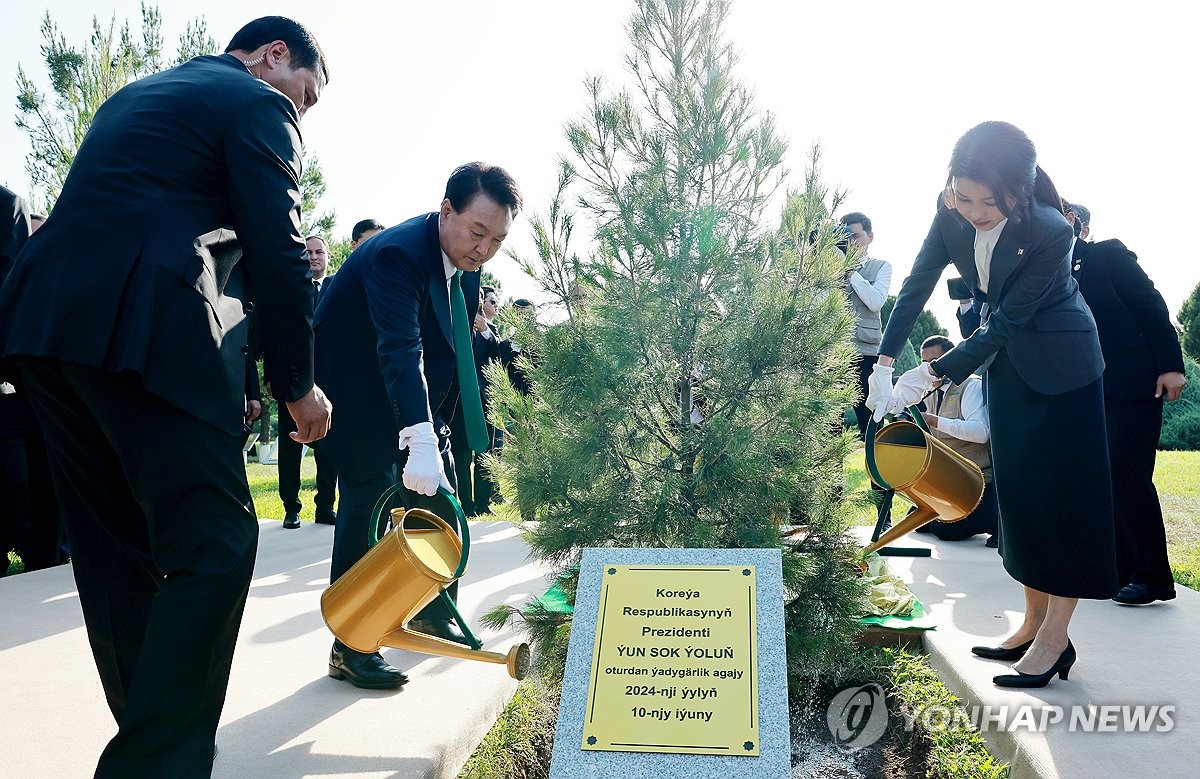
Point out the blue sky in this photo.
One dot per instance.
(886, 88)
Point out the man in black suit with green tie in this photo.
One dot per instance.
(129, 316)
(394, 352)
(1143, 366)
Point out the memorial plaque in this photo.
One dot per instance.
(673, 669)
(676, 667)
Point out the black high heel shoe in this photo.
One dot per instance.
(1000, 653)
(1062, 666)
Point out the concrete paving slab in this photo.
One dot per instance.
(1128, 657)
(284, 716)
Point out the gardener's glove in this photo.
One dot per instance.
(911, 387)
(423, 472)
(879, 390)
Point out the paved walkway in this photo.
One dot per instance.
(284, 716)
(1128, 656)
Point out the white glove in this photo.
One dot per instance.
(911, 387)
(423, 472)
(879, 390)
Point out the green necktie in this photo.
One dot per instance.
(464, 356)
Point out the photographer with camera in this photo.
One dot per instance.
(867, 289)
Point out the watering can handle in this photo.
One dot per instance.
(872, 427)
(464, 532)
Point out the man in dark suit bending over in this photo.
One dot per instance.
(128, 316)
(394, 352)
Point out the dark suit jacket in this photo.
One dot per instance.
(500, 350)
(182, 207)
(1036, 311)
(385, 347)
(14, 228)
(1136, 334)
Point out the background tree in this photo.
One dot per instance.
(312, 189)
(926, 325)
(81, 79)
(1189, 320)
(688, 399)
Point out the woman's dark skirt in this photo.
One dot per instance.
(1050, 459)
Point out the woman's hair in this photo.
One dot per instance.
(1002, 158)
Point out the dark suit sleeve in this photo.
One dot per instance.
(916, 289)
(15, 230)
(1028, 291)
(395, 287)
(968, 321)
(262, 159)
(1149, 309)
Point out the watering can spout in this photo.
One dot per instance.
(940, 482)
(516, 659)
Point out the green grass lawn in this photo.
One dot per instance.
(1175, 476)
(264, 488)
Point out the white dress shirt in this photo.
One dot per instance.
(873, 295)
(985, 244)
(974, 425)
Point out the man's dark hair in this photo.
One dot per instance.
(486, 288)
(37, 217)
(941, 341)
(857, 217)
(469, 180)
(305, 51)
(1083, 215)
(361, 227)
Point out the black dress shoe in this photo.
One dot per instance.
(1000, 653)
(369, 671)
(441, 628)
(291, 521)
(1062, 666)
(326, 517)
(1143, 594)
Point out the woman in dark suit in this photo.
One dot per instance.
(1001, 224)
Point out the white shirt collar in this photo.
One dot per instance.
(447, 266)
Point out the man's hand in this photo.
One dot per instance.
(312, 414)
(1171, 384)
(480, 323)
(879, 390)
(931, 420)
(423, 473)
(253, 410)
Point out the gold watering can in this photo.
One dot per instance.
(402, 572)
(941, 483)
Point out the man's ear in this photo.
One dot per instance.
(277, 53)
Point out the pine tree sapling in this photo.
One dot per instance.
(693, 395)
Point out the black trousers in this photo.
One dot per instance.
(163, 537)
(1133, 430)
(29, 517)
(360, 490)
(288, 456)
(484, 491)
